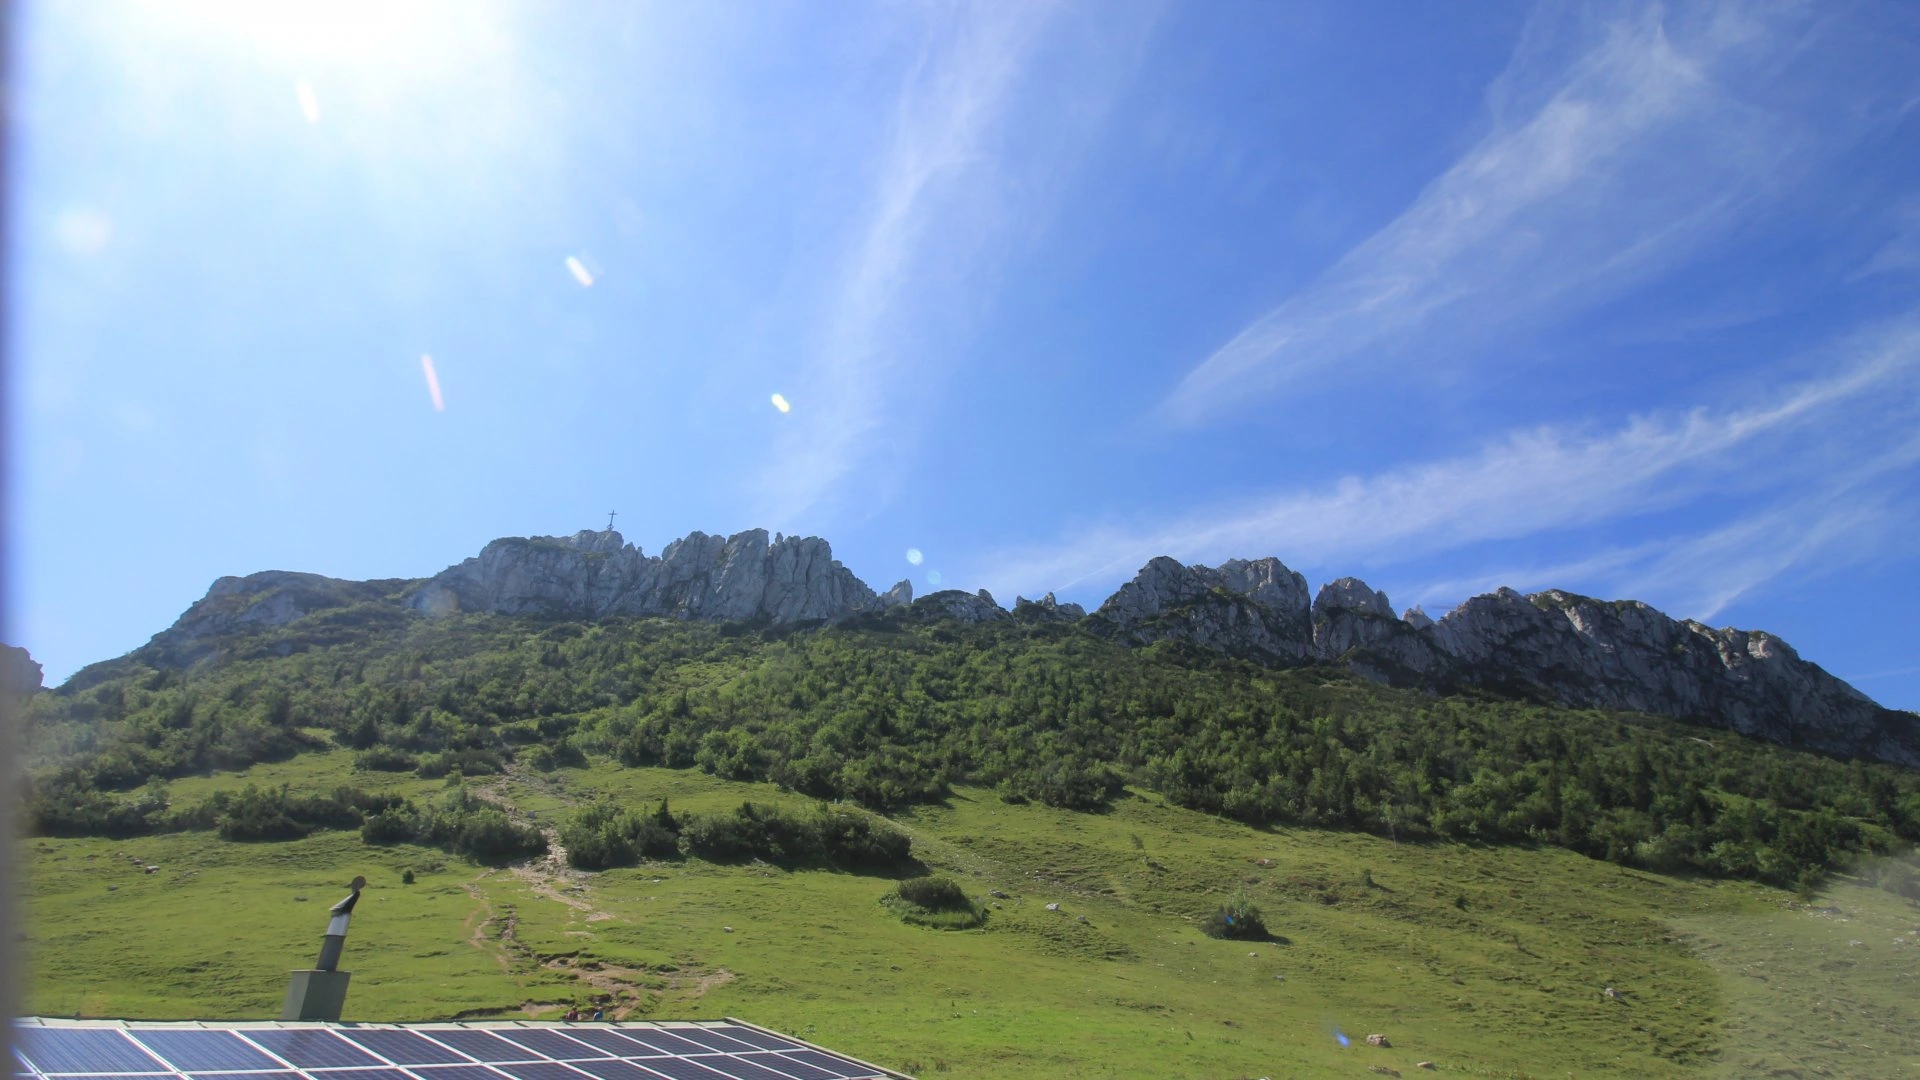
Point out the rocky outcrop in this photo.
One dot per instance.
(1347, 615)
(596, 574)
(1046, 609)
(960, 606)
(19, 674)
(271, 598)
(1256, 609)
(1579, 652)
(1555, 647)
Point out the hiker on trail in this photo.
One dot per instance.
(573, 1014)
(598, 1013)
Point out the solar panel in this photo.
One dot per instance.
(788, 1066)
(741, 1068)
(483, 1046)
(116, 1076)
(541, 1070)
(201, 1050)
(551, 1044)
(614, 1068)
(55, 1050)
(364, 1074)
(611, 1041)
(80, 1050)
(757, 1038)
(665, 1043)
(683, 1069)
(457, 1072)
(312, 1048)
(407, 1048)
(828, 1063)
(714, 1040)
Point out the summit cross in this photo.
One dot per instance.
(611, 514)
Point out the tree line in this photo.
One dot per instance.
(890, 710)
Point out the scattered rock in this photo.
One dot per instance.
(1378, 1040)
(152, 869)
(1426, 1065)
(728, 929)
(1383, 1070)
(113, 888)
(299, 899)
(1053, 907)
(1279, 978)
(1611, 993)
(997, 894)
(1081, 918)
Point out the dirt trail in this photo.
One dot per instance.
(622, 991)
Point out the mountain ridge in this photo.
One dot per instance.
(1553, 646)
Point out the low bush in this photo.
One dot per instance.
(829, 836)
(385, 759)
(604, 835)
(933, 893)
(1238, 919)
(935, 902)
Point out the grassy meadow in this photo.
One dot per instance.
(1485, 961)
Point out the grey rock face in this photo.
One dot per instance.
(1554, 647)
(1254, 608)
(961, 606)
(1046, 609)
(595, 574)
(900, 595)
(19, 674)
(1580, 652)
(1348, 615)
(256, 602)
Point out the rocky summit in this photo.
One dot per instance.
(1554, 647)
(592, 575)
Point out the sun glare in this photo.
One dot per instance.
(309, 31)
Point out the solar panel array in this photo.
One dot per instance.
(705, 1051)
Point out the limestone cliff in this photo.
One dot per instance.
(591, 575)
(1256, 609)
(1552, 646)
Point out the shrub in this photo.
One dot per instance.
(258, 815)
(828, 836)
(394, 826)
(936, 902)
(1238, 919)
(490, 836)
(933, 893)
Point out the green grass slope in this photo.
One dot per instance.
(1485, 961)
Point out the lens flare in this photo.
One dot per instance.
(914, 556)
(580, 272)
(309, 103)
(933, 577)
(780, 403)
(433, 383)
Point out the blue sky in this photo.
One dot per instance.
(1619, 299)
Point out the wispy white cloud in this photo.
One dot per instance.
(927, 220)
(1548, 479)
(1597, 173)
